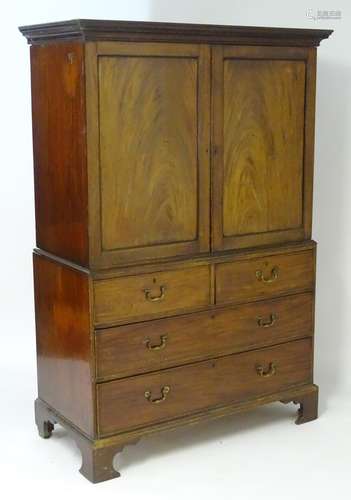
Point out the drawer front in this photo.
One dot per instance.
(268, 276)
(145, 296)
(153, 345)
(148, 399)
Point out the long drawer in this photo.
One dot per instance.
(134, 298)
(154, 345)
(264, 277)
(148, 399)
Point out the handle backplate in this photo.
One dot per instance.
(164, 391)
(155, 298)
(266, 323)
(261, 372)
(272, 277)
(156, 347)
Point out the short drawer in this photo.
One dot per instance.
(153, 345)
(268, 276)
(133, 298)
(149, 399)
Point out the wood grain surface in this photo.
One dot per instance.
(148, 141)
(59, 149)
(238, 281)
(263, 145)
(148, 154)
(124, 299)
(64, 342)
(122, 404)
(155, 345)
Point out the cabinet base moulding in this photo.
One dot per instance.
(98, 454)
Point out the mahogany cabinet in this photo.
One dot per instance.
(174, 268)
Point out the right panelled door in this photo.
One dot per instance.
(262, 145)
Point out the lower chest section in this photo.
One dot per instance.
(177, 342)
(174, 392)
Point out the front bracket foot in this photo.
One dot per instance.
(97, 460)
(97, 463)
(308, 402)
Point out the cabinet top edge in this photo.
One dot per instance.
(94, 30)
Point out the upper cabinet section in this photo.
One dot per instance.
(263, 123)
(148, 150)
(158, 140)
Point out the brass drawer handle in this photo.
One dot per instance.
(164, 391)
(156, 347)
(273, 276)
(157, 298)
(268, 373)
(263, 323)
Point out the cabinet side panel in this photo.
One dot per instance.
(59, 144)
(64, 341)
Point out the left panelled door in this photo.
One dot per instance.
(148, 109)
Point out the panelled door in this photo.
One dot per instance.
(148, 118)
(262, 145)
